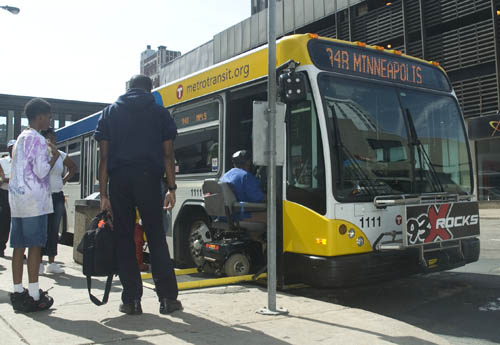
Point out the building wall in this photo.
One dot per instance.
(13, 120)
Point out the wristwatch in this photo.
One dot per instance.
(171, 189)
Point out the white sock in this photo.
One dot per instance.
(18, 288)
(34, 291)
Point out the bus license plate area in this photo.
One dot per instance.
(432, 223)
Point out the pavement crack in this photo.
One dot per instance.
(23, 339)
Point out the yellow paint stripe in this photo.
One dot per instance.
(198, 284)
(180, 272)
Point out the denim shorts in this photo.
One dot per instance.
(28, 232)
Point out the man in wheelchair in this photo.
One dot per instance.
(245, 186)
(236, 205)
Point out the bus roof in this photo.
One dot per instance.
(239, 70)
(78, 128)
(251, 66)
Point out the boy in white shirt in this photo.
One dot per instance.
(30, 203)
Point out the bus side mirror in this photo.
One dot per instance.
(292, 87)
(260, 133)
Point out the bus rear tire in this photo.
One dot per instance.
(198, 233)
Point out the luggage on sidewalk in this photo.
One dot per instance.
(98, 247)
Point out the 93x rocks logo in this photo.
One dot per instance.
(439, 223)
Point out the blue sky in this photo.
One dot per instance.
(86, 50)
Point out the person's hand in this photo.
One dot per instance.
(169, 202)
(106, 206)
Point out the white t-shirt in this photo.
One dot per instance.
(5, 163)
(29, 186)
(56, 178)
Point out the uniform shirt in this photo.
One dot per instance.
(56, 180)
(29, 187)
(136, 128)
(246, 187)
(5, 162)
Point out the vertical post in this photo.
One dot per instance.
(271, 181)
(271, 173)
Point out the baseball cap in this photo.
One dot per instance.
(241, 157)
(11, 143)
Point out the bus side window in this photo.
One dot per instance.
(197, 144)
(74, 154)
(305, 159)
(197, 151)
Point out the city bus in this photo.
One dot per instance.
(377, 178)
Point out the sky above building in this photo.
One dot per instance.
(87, 50)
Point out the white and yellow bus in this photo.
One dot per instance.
(377, 180)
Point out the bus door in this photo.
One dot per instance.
(305, 197)
(88, 167)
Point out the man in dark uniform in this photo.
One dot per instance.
(136, 148)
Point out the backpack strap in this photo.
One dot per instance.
(94, 299)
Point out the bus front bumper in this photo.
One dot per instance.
(360, 269)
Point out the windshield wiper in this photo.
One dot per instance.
(361, 175)
(415, 142)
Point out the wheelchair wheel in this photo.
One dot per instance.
(237, 265)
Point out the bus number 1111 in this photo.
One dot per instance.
(370, 222)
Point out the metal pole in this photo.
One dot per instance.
(271, 178)
(271, 173)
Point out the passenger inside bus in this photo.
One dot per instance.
(245, 185)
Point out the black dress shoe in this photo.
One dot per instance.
(168, 306)
(132, 308)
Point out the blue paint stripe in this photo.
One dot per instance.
(80, 127)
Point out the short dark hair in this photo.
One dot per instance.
(47, 132)
(141, 81)
(35, 107)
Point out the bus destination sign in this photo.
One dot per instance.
(197, 116)
(346, 59)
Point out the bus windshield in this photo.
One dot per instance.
(389, 140)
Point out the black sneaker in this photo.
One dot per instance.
(168, 306)
(17, 299)
(44, 303)
(132, 308)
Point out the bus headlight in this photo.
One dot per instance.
(360, 241)
(351, 233)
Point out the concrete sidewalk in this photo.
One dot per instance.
(489, 213)
(224, 315)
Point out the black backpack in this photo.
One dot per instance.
(98, 247)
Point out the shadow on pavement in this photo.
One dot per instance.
(88, 329)
(406, 340)
(192, 329)
(80, 282)
(446, 303)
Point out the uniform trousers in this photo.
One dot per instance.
(130, 188)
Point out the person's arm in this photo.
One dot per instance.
(103, 175)
(169, 157)
(68, 163)
(2, 175)
(252, 189)
(40, 157)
